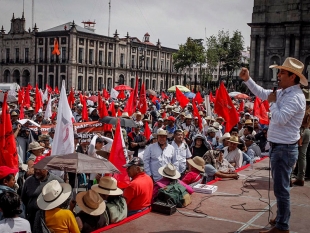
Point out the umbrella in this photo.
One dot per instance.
(234, 93)
(190, 95)
(125, 122)
(123, 88)
(242, 96)
(181, 88)
(151, 92)
(93, 98)
(77, 163)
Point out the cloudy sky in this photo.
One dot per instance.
(172, 21)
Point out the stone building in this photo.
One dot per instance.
(87, 61)
(279, 29)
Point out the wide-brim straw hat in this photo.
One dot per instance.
(169, 171)
(107, 185)
(225, 136)
(198, 163)
(35, 146)
(53, 195)
(125, 115)
(90, 202)
(234, 139)
(295, 66)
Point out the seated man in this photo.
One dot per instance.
(232, 153)
(138, 194)
(211, 173)
(253, 151)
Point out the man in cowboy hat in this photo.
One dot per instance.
(287, 107)
(232, 152)
(138, 194)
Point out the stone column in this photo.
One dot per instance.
(296, 51)
(252, 54)
(287, 46)
(261, 58)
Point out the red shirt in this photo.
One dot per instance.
(139, 193)
(192, 177)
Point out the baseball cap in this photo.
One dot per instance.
(171, 118)
(135, 161)
(5, 171)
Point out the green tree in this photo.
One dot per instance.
(189, 54)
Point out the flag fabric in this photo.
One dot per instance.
(172, 102)
(20, 96)
(114, 93)
(196, 114)
(45, 95)
(56, 48)
(56, 91)
(8, 151)
(29, 87)
(112, 109)
(130, 106)
(84, 109)
(154, 100)
(39, 103)
(211, 98)
(63, 142)
(241, 106)
(183, 101)
(260, 111)
(49, 88)
(266, 104)
(164, 96)
(118, 157)
(136, 96)
(119, 113)
(225, 108)
(21, 112)
(121, 95)
(105, 94)
(143, 102)
(26, 98)
(147, 131)
(71, 98)
(48, 110)
(208, 106)
(198, 98)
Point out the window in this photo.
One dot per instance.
(147, 63)
(51, 81)
(101, 45)
(99, 83)
(121, 80)
(167, 66)
(81, 41)
(161, 65)
(91, 70)
(17, 55)
(133, 61)
(40, 54)
(122, 60)
(161, 85)
(109, 72)
(40, 81)
(154, 84)
(109, 84)
(110, 46)
(90, 83)
(110, 59)
(63, 40)
(100, 71)
(63, 69)
(50, 68)
(80, 55)
(41, 41)
(133, 50)
(92, 43)
(148, 52)
(154, 64)
(80, 70)
(80, 81)
(63, 54)
(40, 68)
(26, 55)
(100, 58)
(51, 41)
(51, 55)
(147, 84)
(91, 56)
(7, 55)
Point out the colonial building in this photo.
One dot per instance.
(279, 29)
(87, 61)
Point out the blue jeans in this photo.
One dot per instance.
(282, 158)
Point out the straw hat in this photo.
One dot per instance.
(248, 122)
(234, 139)
(295, 66)
(188, 116)
(225, 136)
(107, 185)
(161, 132)
(198, 163)
(53, 195)
(125, 115)
(217, 125)
(169, 171)
(91, 202)
(34, 146)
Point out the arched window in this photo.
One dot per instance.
(7, 75)
(80, 83)
(161, 85)
(109, 84)
(40, 81)
(99, 83)
(16, 77)
(154, 84)
(132, 83)
(26, 78)
(90, 83)
(121, 80)
(147, 83)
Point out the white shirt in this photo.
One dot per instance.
(182, 153)
(155, 157)
(234, 156)
(11, 225)
(286, 114)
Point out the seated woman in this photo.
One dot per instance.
(92, 215)
(196, 170)
(53, 202)
(170, 174)
(116, 206)
(200, 145)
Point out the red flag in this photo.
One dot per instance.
(49, 89)
(121, 95)
(104, 111)
(260, 111)
(84, 110)
(196, 114)
(164, 96)
(147, 131)
(225, 108)
(21, 112)
(26, 98)
(112, 109)
(154, 100)
(56, 48)
(198, 98)
(71, 98)
(183, 101)
(216, 91)
(172, 101)
(8, 152)
(117, 157)
(81, 98)
(105, 94)
(130, 106)
(142, 102)
(39, 103)
(119, 113)
(100, 104)
(266, 104)
(241, 106)
(136, 97)
(56, 90)
(29, 87)
(211, 98)
(20, 96)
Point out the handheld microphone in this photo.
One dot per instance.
(275, 87)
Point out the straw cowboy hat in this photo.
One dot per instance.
(225, 136)
(248, 122)
(34, 146)
(234, 139)
(295, 66)
(169, 171)
(53, 195)
(91, 202)
(217, 125)
(107, 185)
(198, 163)
(125, 115)
(161, 132)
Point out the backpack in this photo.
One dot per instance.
(175, 193)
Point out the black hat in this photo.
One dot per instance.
(135, 161)
(249, 137)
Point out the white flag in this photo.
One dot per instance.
(63, 142)
(114, 93)
(45, 95)
(208, 107)
(48, 110)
